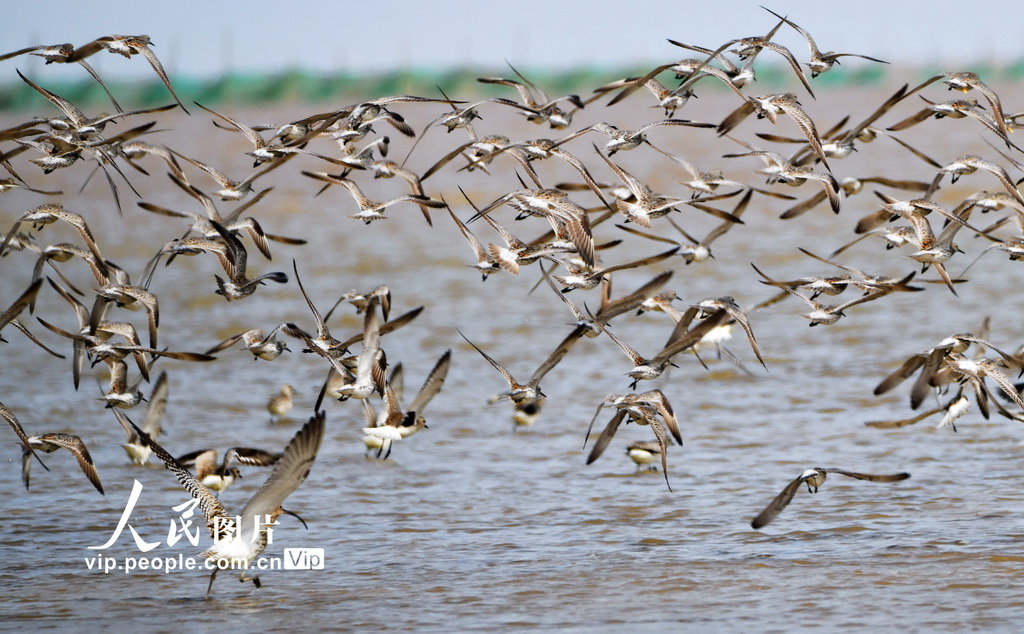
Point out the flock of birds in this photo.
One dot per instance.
(577, 227)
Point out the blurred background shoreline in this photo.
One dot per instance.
(310, 87)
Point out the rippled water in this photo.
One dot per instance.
(469, 526)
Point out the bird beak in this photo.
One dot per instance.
(296, 516)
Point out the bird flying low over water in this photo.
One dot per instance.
(813, 478)
(50, 443)
(238, 540)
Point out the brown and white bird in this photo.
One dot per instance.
(219, 475)
(137, 450)
(820, 62)
(281, 403)
(395, 422)
(650, 409)
(240, 539)
(813, 478)
(50, 443)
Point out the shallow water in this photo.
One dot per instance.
(469, 526)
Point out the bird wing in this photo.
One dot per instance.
(208, 502)
(606, 436)
(432, 384)
(289, 472)
(896, 477)
(157, 406)
(775, 507)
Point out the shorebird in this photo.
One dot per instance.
(137, 450)
(121, 394)
(485, 264)
(84, 130)
(219, 475)
(930, 362)
(50, 443)
(379, 296)
(689, 71)
(749, 46)
(526, 152)
(124, 294)
(461, 118)
(931, 250)
(264, 150)
(1013, 248)
(527, 398)
(829, 314)
(642, 409)
(517, 253)
(26, 446)
(100, 346)
(370, 210)
(262, 345)
(850, 186)
(368, 375)
(769, 107)
(93, 331)
(814, 478)
(357, 120)
(64, 252)
(234, 189)
(238, 284)
(281, 403)
(974, 372)
(324, 344)
(394, 422)
(703, 183)
(840, 142)
(127, 46)
(622, 140)
(240, 539)
(479, 153)
(954, 109)
(358, 158)
(820, 62)
(540, 108)
(132, 151)
(203, 225)
(736, 76)
(49, 213)
(714, 305)
(965, 81)
(566, 218)
(589, 325)
(682, 338)
(697, 250)
(779, 169)
(645, 453)
(867, 282)
(970, 163)
(953, 409)
(646, 205)
(391, 169)
(669, 100)
(383, 430)
(61, 54)
(585, 277)
(75, 134)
